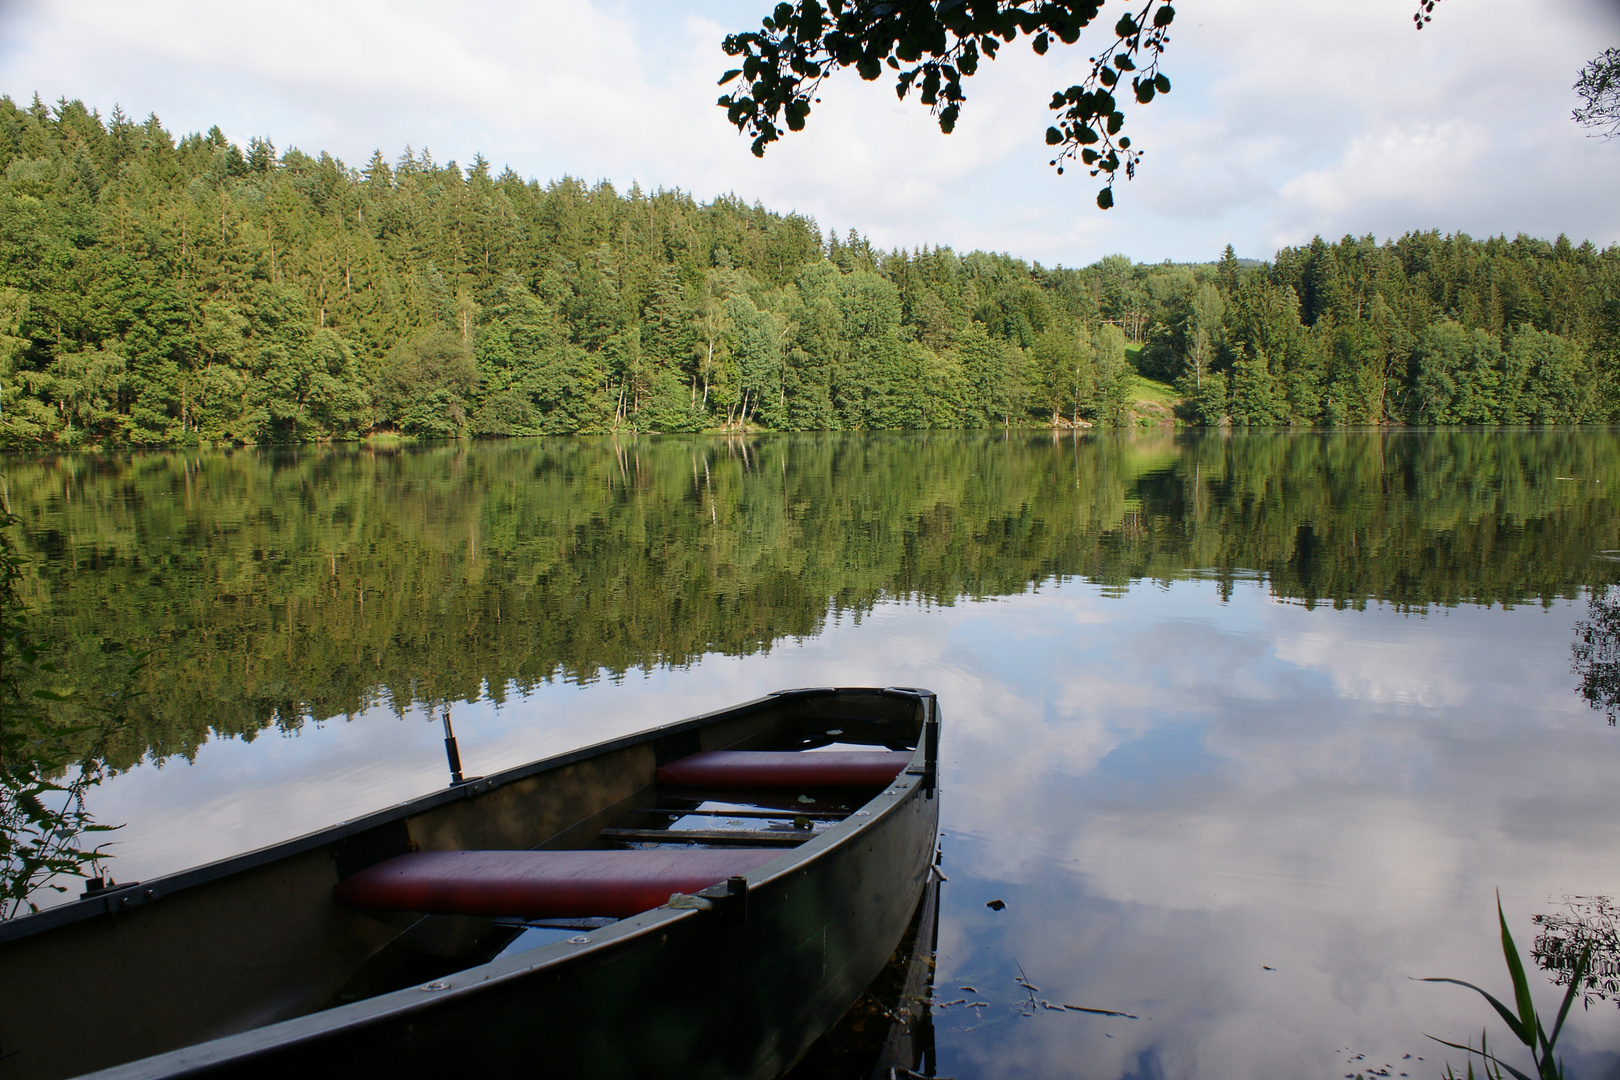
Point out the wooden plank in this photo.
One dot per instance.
(775, 815)
(744, 837)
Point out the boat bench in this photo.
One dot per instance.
(774, 769)
(620, 883)
(543, 884)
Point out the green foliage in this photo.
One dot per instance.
(1459, 376)
(1058, 368)
(429, 384)
(1599, 87)
(1114, 378)
(801, 44)
(1209, 400)
(1254, 399)
(991, 375)
(1522, 1019)
(1549, 380)
(155, 291)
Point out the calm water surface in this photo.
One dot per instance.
(1246, 732)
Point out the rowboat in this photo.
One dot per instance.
(701, 899)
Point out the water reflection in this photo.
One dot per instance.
(1587, 922)
(279, 587)
(1244, 731)
(1597, 654)
(889, 1032)
(49, 764)
(1249, 824)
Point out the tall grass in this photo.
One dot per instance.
(1522, 1020)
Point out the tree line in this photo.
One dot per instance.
(156, 291)
(1424, 330)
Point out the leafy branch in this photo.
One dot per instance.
(1598, 84)
(1599, 87)
(1089, 120)
(932, 45)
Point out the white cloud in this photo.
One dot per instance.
(1285, 121)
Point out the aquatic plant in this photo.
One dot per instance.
(1485, 1072)
(1522, 1020)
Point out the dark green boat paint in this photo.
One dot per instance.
(741, 990)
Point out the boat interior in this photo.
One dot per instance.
(708, 816)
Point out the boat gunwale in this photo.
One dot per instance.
(602, 944)
(123, 898)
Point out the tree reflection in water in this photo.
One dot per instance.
(889, 1031)
(280, 587)
(1597, 653)
(1589, 922)
(53, 749)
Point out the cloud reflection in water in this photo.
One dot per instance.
(1173, 794)
(1186, 794)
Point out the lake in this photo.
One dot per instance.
(1245, 731)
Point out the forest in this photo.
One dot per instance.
(164, 292)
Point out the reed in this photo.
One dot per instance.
(1522, 1020)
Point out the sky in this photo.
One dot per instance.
(1288, 118)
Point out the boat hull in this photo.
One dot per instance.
(711, 994)
(249, 967)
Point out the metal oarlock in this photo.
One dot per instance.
(451, 751)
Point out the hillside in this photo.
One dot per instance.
(163, 291)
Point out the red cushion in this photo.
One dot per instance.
(786, 769)
(543, 884)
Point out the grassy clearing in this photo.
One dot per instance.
(1153, 403)
(1151, 390)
